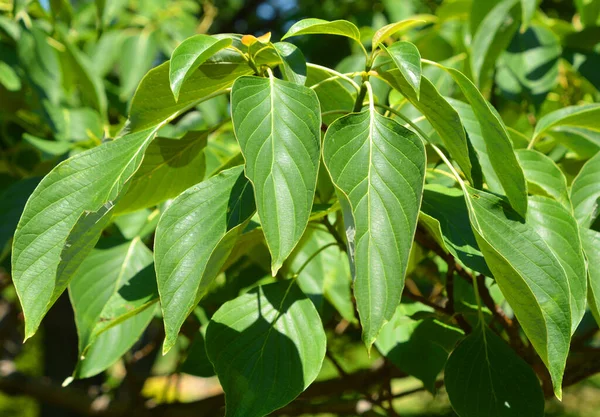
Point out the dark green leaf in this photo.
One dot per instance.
(408, 60)
(12, 202)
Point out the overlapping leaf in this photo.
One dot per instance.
(277, 124)
(408, 60)
(543, 176)
(293, 63)
(194, 238)
(267, 346)
(63, 219)
(378, 167)
(585, 192)
(585, 116)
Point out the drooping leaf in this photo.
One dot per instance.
(585, 192)
(529, 275)
(388, 30)
(484, 37)
(110, 288)
(267, 346)
(277, 124)
(444, 119)
(585, 116)
(194, 238)
(189, 55)
(63, 219)
(293, 62)
(170, 166)
(591, 246)
(403, 339)
(48, 148)
(154, 103)
(543, 176)
(320, 26)
(448, 208)
(484, 377)
(408, 60)
(326, 276)
(378, 168)
(497, 142)
(557, 227)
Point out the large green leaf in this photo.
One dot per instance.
(189, 55)
(529, 275)
(170, 166)
(484, 377)
(378, 167)
(111, 286)
(403, 339)
(194, 237)
(63, 219)
(557, 227)
(543, 176)
(584, 142)
(485, 35)
(585, 192)
(153, 102)
(591, 246)
(408, 60)
(444, 119)
(293, 64)
(320, 26)
(267, 346)
(278, 124)
(326, 273)
(497, 142)
(143, 46)
(585, 116)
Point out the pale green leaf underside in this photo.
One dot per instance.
(585, 192)
(529, 275)
(193, 240)
(324, 27)
(48, 247)
(484, 377)
(277, 124)
(378, 167)
(189, 55)
(557, 227)
(267, 346)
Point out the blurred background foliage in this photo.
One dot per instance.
(68, 70)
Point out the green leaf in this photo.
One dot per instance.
(170, 166)
(486, 33)
(378, 168)
(444, 119)
(388, 30)
(527, 12)
(293, 62)
(153, 102)
(557, 227)
(529, 275)
(403, 339)
(111, 286)
(189, 55)
(267, 346)
(484, 377)
(320, 26)
(585, 192)
(584, 142)
(544, 176)
(591, 246)
(197, 362)
(194, 237)
(331, 93)
(9, 78)
(447, 207)
(49, 148)
(408, 60)
(326, 276)
(585, 116)
(12, 201)
(277, 124)
(63, 219)
(497, 142)
(143, 47)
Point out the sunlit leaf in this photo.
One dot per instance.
(585, 192)
(320, 26)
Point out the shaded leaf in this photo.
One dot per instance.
(12, 202)
(585, 192)
(591, 246)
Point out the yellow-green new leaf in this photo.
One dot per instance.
(378, 168)
(63, 218)
(324, 27)
(278, 126)
(194, 238)
(189, 55)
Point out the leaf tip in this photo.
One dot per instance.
(275, 267)
(67, 381)
(168, 344)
